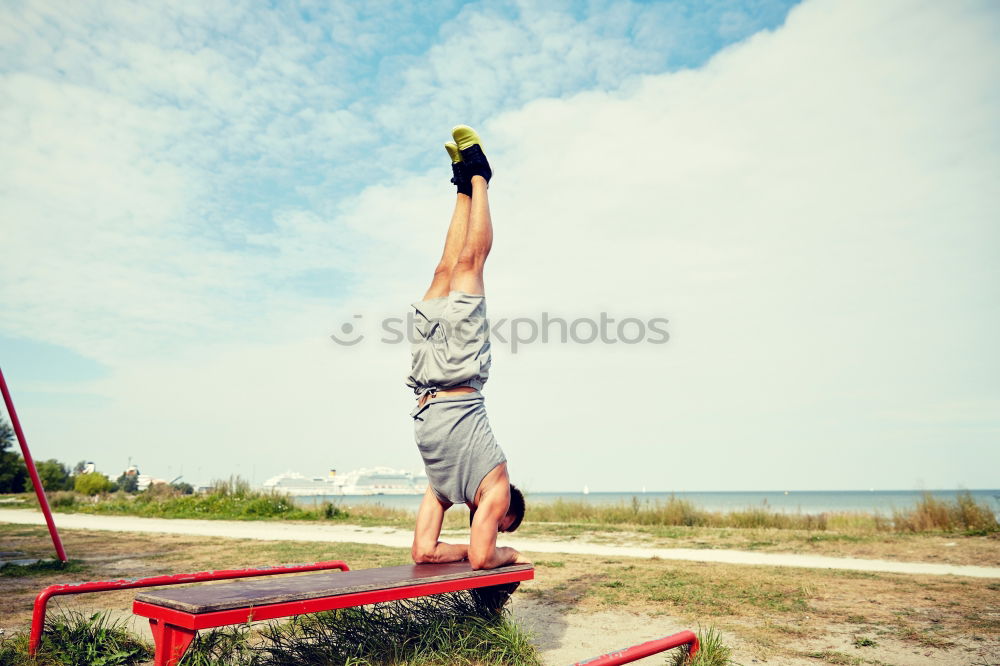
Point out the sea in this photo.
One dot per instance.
(792, 501)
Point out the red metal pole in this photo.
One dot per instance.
(637, 652)
(42, 600)
(39, 490)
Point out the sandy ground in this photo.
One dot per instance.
(566, 637)
(387, 536)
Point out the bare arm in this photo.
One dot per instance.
(426, 544)
(483, 551)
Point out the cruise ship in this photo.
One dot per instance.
(365, 481)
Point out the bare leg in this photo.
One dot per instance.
(453, 244)
(467, 273)
(427, 546)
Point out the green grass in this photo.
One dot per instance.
(697, 592)
(41, 568)
(231, 499)
(963, 514)
(73, 638)
(712, 651)
(555, 564)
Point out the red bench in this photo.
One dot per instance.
(176, 614)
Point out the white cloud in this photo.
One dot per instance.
(814, 210)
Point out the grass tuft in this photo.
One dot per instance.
(933, 514)
(73, 638)
(712, 651)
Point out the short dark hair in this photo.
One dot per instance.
(516, 508)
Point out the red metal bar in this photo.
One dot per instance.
(185, 620)
(636, 652)
(38, 615)
(39, 490)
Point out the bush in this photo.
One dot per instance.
(92, 484)
(932, 514)
(159, 491)
(54, 475)
(182, 487)
(333, 512)
(128, 483)
(64, 499)
(234, 486)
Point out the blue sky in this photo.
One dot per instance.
(202, 194)
(302, 105)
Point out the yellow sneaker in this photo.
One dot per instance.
(471, 148)
(461, 180)
(453, 152)
(465, 136)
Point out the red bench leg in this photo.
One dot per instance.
(171, 642)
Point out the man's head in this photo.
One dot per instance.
(515, 512)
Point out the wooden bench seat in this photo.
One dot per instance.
(176, 614)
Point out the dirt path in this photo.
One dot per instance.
(387, 536)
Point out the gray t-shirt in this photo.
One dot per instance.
(458, 447)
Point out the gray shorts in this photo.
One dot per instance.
(457, 445)
(452, 346)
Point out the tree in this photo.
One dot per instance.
(79, 467)
(92, 484)
(128, 482)
(13, 473)
(182, 486)
(54, 475)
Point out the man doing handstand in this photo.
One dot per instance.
(450, 365)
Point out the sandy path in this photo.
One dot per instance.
(388, 536)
